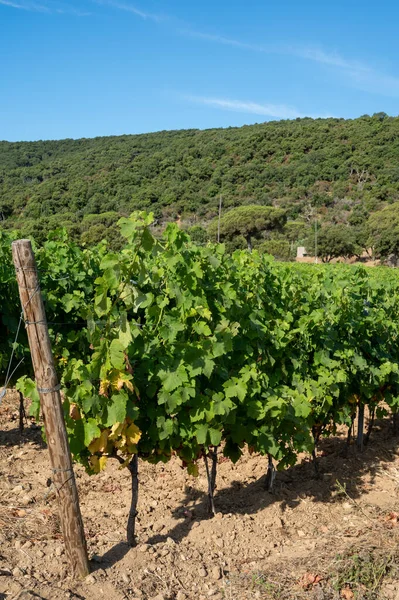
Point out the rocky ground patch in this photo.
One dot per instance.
(323, 538)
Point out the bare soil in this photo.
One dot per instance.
(323, 538)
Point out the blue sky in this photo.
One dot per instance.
(87, 68)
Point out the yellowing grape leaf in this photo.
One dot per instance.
(119, 379)
(192, 469)
(74, 412)
(116, 379)
(133, 434)
(103, 391)
(116, 431)
(129, 385)
(98, 463)
(100, 443)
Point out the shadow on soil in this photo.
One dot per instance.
(290, 486)
(298, 482)
(24, 427)
(30, 433)
(112, 556)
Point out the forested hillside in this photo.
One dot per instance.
(334, 171)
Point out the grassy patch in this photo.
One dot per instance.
(363, 572)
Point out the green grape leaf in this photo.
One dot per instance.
(91, 431)
(201, 434)
(116, 409)
(116, 355)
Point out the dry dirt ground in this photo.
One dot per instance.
(310, 539)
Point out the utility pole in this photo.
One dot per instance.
(220, 214)
(315, 240)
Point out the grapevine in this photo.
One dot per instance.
(167, 348)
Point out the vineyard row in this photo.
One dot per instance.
(167, 348)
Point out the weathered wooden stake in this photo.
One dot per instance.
(211, 501)
(370, 426)
(50, 399)
(22, 413)
(214, 456)
(345, 451)
(360, 427)
(133, 467)
(270, 474)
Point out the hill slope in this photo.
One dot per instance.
(338, 167)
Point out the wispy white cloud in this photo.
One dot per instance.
(356, 72)
(377, 82)
(332, 59)
(11, 4)
(277, 111)
(132, 9)
(220, 39)
(54, 7)
(49, 7)
(29, 6)
(62, 8)
(72, 11)
(309, 53)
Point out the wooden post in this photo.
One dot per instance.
(50, 398)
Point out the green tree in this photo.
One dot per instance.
(296, 231)
(198, 234)
(361, 237)
(249, 221)
(279, 248)
(335, 241)
(383, 231)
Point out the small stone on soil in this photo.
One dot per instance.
(215, 573)
(301, 533)
(125, 578)
(170, 541)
